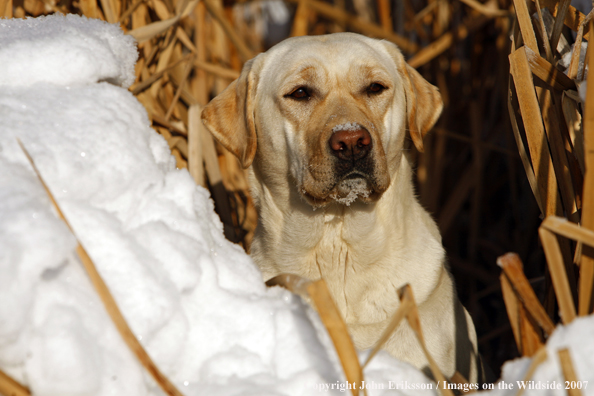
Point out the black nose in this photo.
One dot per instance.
(350, 144)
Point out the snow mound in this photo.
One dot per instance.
(65, 50)
(548, 379)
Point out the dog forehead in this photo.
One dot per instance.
(334, 53)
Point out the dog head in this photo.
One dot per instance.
(331, 112)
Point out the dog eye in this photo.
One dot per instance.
(300, 93)
(375, 88)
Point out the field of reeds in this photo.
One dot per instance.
(508, 168)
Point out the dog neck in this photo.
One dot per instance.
(340, 243)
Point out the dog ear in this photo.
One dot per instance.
(423, 100)
(230, 115)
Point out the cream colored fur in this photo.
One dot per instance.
(367, 250)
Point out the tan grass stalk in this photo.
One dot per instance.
(110, 12)
(489, 10)
(528, 340)
(359, 24)
(385, 14)
(300, 21)
(108, 301)
(406, 297)
(558, 26)
(573, 18)
(568, 372)
(538, 358)
(316, 292)
(5, 8)
(145, 84)
(147, 32)
(401, 313)
(157, 118)
(535, 133)
(575, 55)
(553, 124)
(525, 25)
(244, 52)
(574, 122)
(512, 305)
(543, 33)
(547, 72)
(512, 105)
(512, 268)
(446, 40)
(561, 226)
(195, 156)
(217, 70)
(10, 387)
(89, 8)
(128, 12)
(587, 264)
(180, 87)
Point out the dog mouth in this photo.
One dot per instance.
(352, 187)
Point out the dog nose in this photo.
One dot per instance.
(350, 144)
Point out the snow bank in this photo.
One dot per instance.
(195, 301)
(577, 337)
(64, 50)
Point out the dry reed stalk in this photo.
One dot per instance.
(317, 292)
(385, 15)
(489, 10)
(572, 71)
(573, 18)
(539, 357)
(512, 105)
(513, 270)
(195, 158)
(512, 307)
(525, 24)
(444, 42)
(359, 24)
(548, 73)
(525, 332)
(217, 70)
(10, 387)
(5, 8)
(218, 15)
(147, 32)
(107, 298)
(553, 124)
(535, 133)
(412, 316)
(147, 83)
(558, 273)
(401, 313)
(300, 21)
(587, 263)
(179, 90)
(568, 371)
(558, 25)
(543, 33)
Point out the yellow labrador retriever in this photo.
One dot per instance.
(323, 123)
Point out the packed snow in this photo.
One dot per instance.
(195, 301)
(548, 379)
